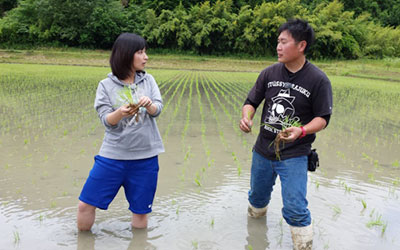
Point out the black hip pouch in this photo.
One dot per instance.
(313, 160)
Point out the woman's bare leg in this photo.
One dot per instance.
(86, 216)
(139, 220)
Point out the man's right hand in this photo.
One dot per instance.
(245, 125)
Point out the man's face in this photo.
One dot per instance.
(288, 49)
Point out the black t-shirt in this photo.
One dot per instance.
(289, 97)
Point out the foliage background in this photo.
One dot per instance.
(345, 29)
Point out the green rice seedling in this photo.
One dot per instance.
(249, 115)
(187, 154)
(376, 164)
(53, 204)
(396, 182)
(195, 244)
(396, 164)
(372, 212)
(364, 204)
(336, 210)
(249, 247)
(239, 166)
(188, 111)
(182, 177)
(341, 155)
(384, 226)
(347, 188)
(197, 179)
(392, 191)
(176, 85)
(41, 218)
(16, 237)
(212, 222)
(177, 210)
(367, 157)
(286, 123)
(176, 110)
(280, 236)
(371, 177)
(377, 221)
(128, 95)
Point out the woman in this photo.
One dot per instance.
(128, 156)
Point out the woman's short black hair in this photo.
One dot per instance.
(300, 31)
(123, 50)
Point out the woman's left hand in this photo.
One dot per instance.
(145, 101)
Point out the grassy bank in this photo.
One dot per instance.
(385, 69)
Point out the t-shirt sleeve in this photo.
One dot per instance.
(322, 98)
(257, 93)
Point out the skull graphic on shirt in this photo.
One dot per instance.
(282, 109)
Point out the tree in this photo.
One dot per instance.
(6, 5)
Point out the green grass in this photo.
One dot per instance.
(385, 69)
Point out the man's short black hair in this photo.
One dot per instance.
(300, 31)
(123, 51)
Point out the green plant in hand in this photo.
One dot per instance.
(126, 96)
(279, 139)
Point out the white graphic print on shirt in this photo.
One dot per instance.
(281, 112)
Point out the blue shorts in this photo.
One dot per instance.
(138, 177)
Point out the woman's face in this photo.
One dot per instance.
(139, 60)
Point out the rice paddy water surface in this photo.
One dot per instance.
(50, 134)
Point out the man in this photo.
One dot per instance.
(295, 92)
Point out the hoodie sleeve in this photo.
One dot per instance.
(103, 105)
(155, 96)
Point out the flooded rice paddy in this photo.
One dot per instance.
(50, 134)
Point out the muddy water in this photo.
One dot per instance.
(201, 200)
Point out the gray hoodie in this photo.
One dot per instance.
(129, 140)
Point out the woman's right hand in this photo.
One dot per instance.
(126, 110)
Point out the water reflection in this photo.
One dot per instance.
(257, 233)
(139, 240)
(85, 240)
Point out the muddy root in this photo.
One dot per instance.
(135, 110)
(278, 141)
